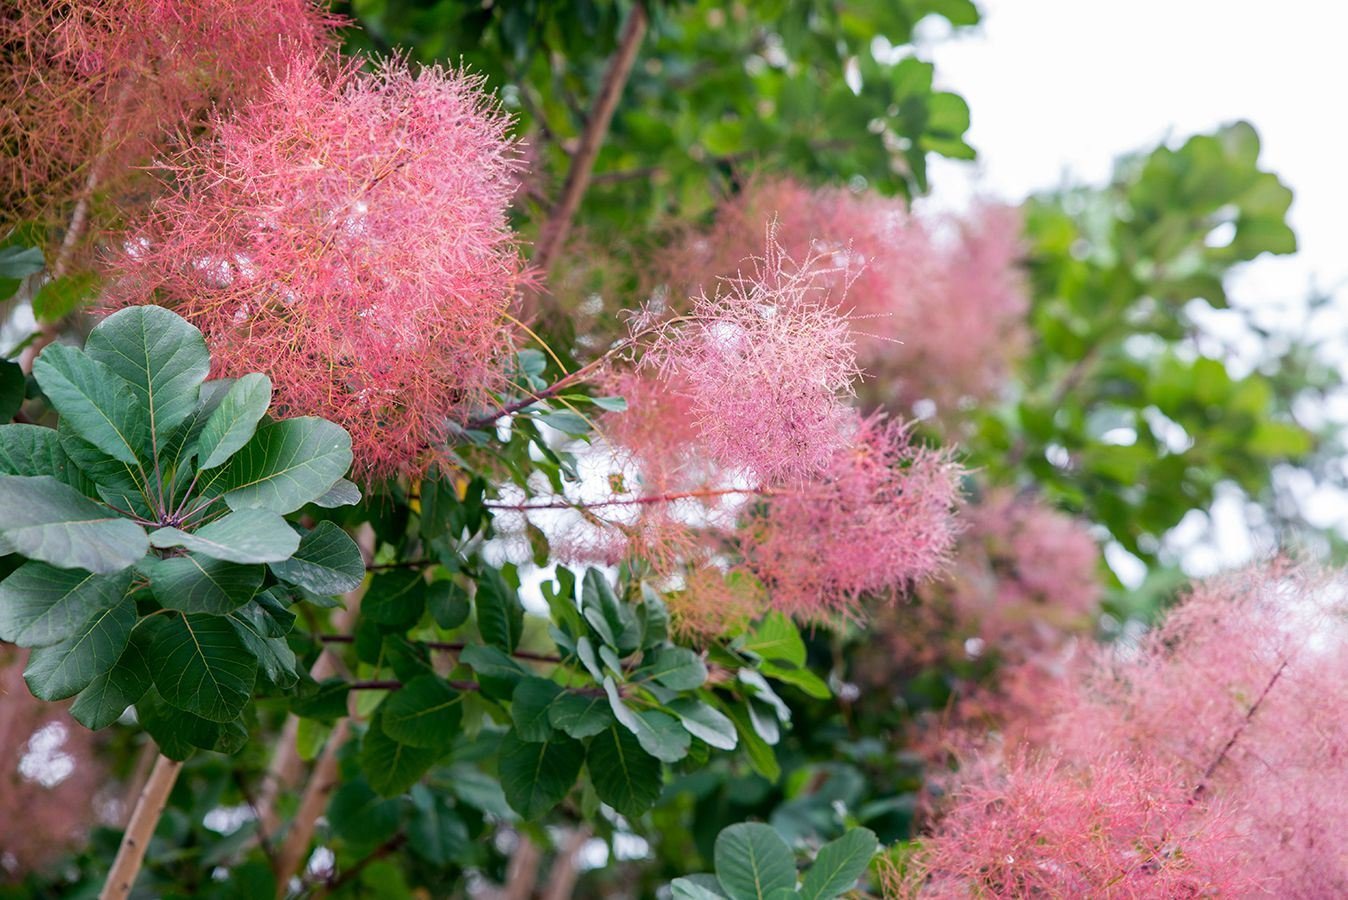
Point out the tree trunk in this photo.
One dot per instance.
(140, 829)
(321, 783)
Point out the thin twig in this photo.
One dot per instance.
(1235, 735)
(384, 849)
(706, 494)
(449, 646)
(553, 233)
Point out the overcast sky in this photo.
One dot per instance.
(1059, 88)
(1062, 87)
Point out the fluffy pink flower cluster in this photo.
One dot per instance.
(94, 88)
(748, 481)
(1027, 574)
(765, 364)
(938, 306)
(1230, 710)
(1048, 829)
(877, 519)
(346, 233)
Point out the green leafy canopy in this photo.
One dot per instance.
(152, 522)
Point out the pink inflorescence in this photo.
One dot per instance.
(346, 233)
(94, 88)
(765, 364)
(878, 518)
(1045, 828)
(937, 304)
(1027, 575)
(1229, 711)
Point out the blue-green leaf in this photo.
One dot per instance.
(162, 357)
(286, 465)
(98, 404)
(200, 584)
(243, 536)
(66, 668)
(326, 562)
(752, 861)
(537, 775)
(234, 421)
(200, 665)
(839, 864)
(46, 520)
(42, 605)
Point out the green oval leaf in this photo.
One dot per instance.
(677, 668)
(537, 775)
(704, 722)
(425, 713)
(243, 536)
(625, 777)
(839, 864)
(580, 715)
(49, 521)
(64, 669)
(389, 766)
(158, 353)
(234, 422)
(200, 584)
(286, 465)
(108, 696)
(42, 605)
(98, 404)
(326, 562)
(529, 706)
(200, 665)
(500, 617)
(752, 861)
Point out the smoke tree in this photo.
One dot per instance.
(557, 457)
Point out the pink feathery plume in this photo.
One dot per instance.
(1229, 705)
(346, 234)
(937, 305)
(1044, 828)
(877, 519)
(765, 364)
(95, 89)
(1025, 575)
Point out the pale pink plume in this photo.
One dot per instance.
(96, 88)
(875, 521)
(765, 364)
(937, 304)
(346, 234)
(1045, 828)
(1231, 708)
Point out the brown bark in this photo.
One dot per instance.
(321, 783)
(140, 829)
(552, 235)
(566, 867)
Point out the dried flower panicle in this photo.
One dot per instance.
(877, 519)
(95, 89)
(937, 305)
(346, 233)
(1228, 710)
(766, 363)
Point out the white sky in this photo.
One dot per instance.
(1059, 88)
(1062, 87)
